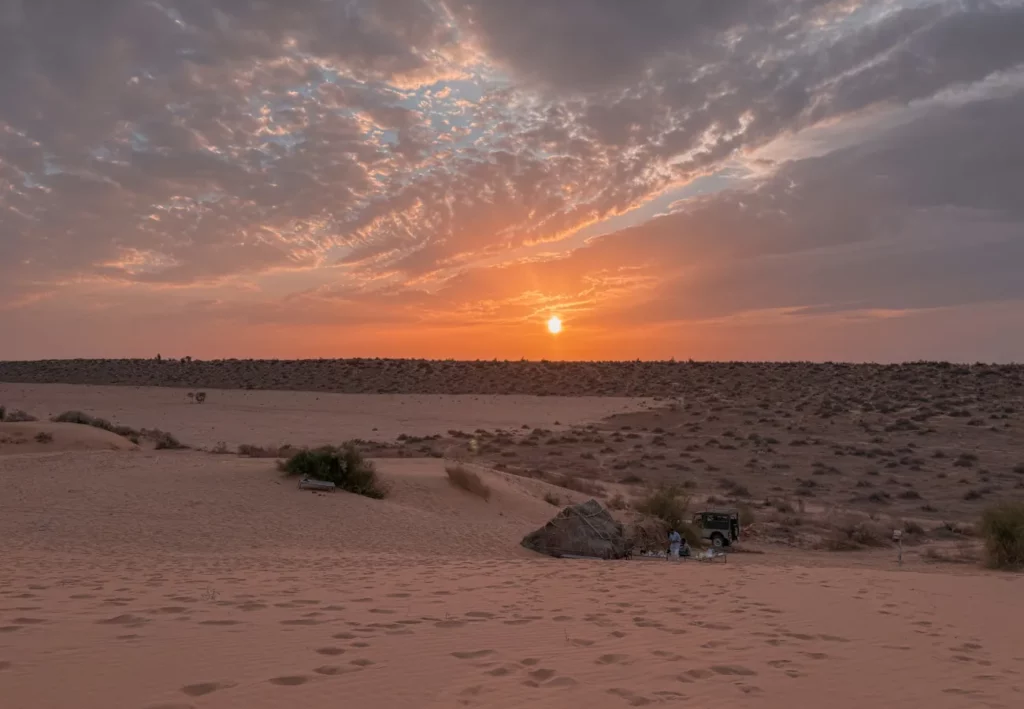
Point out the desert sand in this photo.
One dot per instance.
(160, 579)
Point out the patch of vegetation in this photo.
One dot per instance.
(44, 437)
(965, 460)
(853, 535)
(670, 504)
(462, 477)
(18, 416)
(618, 502)
(163, 440)
(341, 465)
(964, 554)
(249, 451)
(1002, 528)
(553, 499)
(587, 487)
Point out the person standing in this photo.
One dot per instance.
(675, 540)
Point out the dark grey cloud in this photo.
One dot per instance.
(927, 216)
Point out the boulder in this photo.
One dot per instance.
(586, 529)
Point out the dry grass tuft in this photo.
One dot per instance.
(462, 477)
(1002, 527)
(250, 451)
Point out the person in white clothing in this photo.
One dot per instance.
(675, 540)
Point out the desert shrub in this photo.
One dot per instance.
(221, 448)
(587, 487)
(553, 499)
(617, 502)
(85, 419)
(1019, 469)
(163, 440)
(250, 451)
(462, 477)
(912, 527)
(631, 480)
(852, 535)
(747, 515)
(964, 554)
(44, 437)
(18, 416)
(965, 460)
(343, 466)
(1002, 528)
(669, 504)
(3, 412)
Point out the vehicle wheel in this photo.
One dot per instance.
(718, 541)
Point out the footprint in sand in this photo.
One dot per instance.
(736, 670)
(472, 655)
(449, 624)
(633, 699)
(171, 706)
(220, 622)
(542, 674)
(251, 606)
(362, 662)
(300, 621)
(502, 671)
(479, 614)
(4, 665)
(331, 651)
(127, 619)
(612, 659)
(580, 642)
(289, 680)
(203, 688)
(530, 662)
(332, 670)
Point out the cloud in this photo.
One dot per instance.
(432, 160)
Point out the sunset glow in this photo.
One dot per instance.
(554, 325)
(359, 178)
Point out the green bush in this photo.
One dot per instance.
(1002, 527)
(343, 466)
(669, 504)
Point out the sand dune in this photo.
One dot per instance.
(182, 579)
(151, 579)
(39, 437)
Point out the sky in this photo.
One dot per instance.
(708, 179)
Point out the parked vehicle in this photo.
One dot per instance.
(719, 526)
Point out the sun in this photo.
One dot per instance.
(555, 325)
